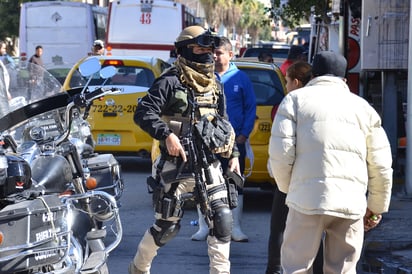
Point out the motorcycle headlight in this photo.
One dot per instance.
(101, 209)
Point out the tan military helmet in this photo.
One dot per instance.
(190, 33)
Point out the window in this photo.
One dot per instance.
(267, 86)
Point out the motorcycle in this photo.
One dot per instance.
(58, 199)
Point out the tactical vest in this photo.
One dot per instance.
(216, 132)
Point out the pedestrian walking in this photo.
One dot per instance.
(241, 109)
(4, 56)
(36, 71)
(11, 72)
(185, 110)
(297, 75)
(5, 95)
(329, 153)
(36, 58)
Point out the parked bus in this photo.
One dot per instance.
(65, 30)
(146, 28)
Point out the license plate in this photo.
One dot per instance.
(114, 108)
(108, 139)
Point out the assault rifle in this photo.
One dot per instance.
(198, 158)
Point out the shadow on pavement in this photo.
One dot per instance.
(133, 163)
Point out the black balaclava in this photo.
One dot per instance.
(204, 58)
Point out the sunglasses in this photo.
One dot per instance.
(206, 40)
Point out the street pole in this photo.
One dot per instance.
(408, 179)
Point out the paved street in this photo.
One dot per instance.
(387, 244)
(182, 255)
(388, 247)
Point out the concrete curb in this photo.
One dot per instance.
(388, 247)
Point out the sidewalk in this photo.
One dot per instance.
(388, 247)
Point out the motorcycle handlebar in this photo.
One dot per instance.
(83, 100)
(100, 92)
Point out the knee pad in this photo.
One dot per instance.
(222, 223)
(164, 231)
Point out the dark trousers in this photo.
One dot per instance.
(277, 226)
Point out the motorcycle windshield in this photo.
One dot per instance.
(35, 98)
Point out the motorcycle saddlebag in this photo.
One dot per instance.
(35, 234)
(107, 171)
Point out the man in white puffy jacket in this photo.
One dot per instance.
(330, 154)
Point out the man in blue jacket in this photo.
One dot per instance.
(241, 109)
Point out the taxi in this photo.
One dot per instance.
(269, 86)
(111, 118)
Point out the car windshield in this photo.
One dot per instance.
(267, 85)
(125, 76)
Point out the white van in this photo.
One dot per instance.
(147, 28)
(65, 30)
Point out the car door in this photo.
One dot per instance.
(269, 88)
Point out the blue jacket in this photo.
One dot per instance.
(240, 100)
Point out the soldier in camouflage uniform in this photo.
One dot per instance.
(185, 104)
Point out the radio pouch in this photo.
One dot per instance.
(233, 182)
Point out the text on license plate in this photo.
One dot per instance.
(115, 108)
(108, 139)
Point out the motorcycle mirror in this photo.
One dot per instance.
(107, 72)
(89, 67)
